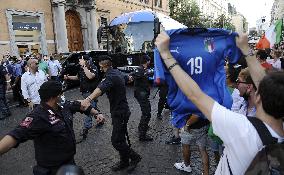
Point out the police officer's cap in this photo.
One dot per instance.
(50, 89)
(70, 169)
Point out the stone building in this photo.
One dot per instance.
(26, 27)
(49, 26)
(75, 25)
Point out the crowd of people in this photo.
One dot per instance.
(256, 85)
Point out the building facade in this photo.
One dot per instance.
(262, 24)
(240, 23)
(26, 27)
(49, 26)
(213, 8)
(75, 25)
(277, 11)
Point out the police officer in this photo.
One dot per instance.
(89, 79)
(163, 92)
(50, 126)
(114, 86)
(4, 85)
(142, 93)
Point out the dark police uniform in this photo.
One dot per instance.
(5, 112)
(142, 93)
(114, 86)
(53, 136)
(87, 86)
(163, 92)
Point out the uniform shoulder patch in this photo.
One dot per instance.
(26, 122)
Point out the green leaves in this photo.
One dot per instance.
(188, 13)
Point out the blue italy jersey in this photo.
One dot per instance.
(201, 53)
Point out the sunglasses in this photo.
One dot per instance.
(238, 82)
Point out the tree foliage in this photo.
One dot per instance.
(188, 13)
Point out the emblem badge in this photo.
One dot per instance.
(209, 45)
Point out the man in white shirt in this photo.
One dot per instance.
(240, 138)
(54, 68)
(31, 82)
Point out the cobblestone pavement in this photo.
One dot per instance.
(96, 155)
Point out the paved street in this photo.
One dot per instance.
(96, 155)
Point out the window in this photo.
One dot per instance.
(158, 3)
(144, 1)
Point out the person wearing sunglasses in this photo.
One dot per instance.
(247, 90)
(31, 82)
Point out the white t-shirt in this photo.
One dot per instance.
(240, 138)
(276, 64)
(54, 67)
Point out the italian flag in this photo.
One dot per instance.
(272, 36)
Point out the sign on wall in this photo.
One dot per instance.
(26, 26)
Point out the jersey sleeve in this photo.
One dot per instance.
(31, 127)
(159, 71)
(232, 52)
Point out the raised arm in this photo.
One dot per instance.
(188, 86)
(256, 70)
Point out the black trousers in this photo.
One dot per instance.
(41, 170)
(142, 97)
(119, 135)
(5, 112)
(17, 93)
(163, 92)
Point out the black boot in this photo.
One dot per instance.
(135, 159)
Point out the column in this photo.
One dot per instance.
(60, 27)
(94, 40)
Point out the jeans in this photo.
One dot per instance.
(88, 121)
(142, 97)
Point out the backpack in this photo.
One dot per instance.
(269, 160)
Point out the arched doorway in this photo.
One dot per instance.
(74, 31)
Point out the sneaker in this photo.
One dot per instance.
(174, 141)
(181, 166)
